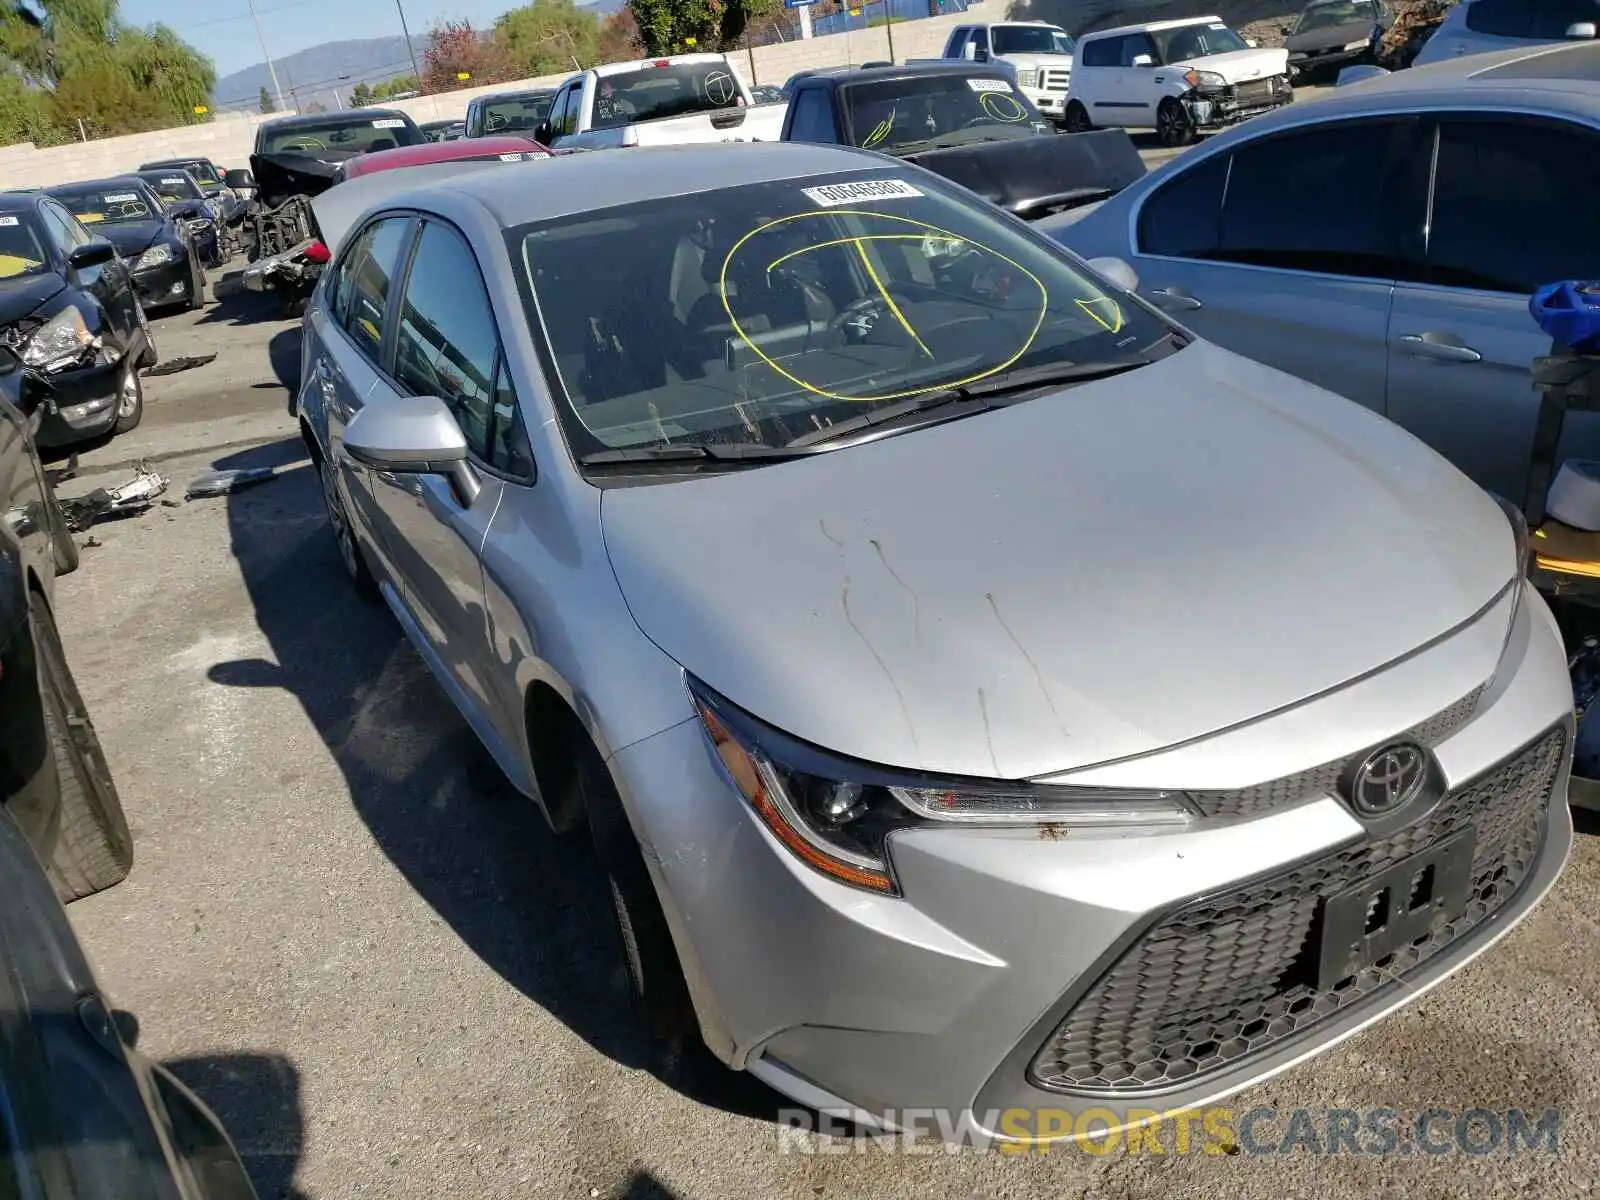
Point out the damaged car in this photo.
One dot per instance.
(1335, 33)
(982, 693)
(154, 243)
(70, 312)
(296, 158)
(183, 200)
(970, 124)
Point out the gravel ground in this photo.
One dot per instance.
(390, 981)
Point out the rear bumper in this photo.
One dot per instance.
(288, 270)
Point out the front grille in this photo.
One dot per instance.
(1056, 81)
(1257, 91)
(1321, 780)
(1234, 975)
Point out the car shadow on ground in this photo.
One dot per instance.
(530, 904)
(284, 353)
(234, 305)
(257, 1099)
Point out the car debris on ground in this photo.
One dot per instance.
(171, 366)
(220, 483)
(135, 496)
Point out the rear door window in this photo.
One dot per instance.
(364, 287)
(1501, 18)
(1183, 218)
(1105, 52)
(1312, 200)
(1508, 209)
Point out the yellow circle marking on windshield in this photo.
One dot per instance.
(885, 127)
(722, 288)
(1114, 325)
(1002, 106)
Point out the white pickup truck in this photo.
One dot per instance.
(1038, 54)
(658, 102)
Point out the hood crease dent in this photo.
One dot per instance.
(1120, 567)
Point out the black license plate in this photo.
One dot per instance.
(1364, 924)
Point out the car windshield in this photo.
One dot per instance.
(653, 93)
(940, 109)
(1339, 12)
(109, 205)
(21, 252)
(1196, 41)
(174, 186)
(516, 114)
(343, 137)
(767, 313)
(1029, 39)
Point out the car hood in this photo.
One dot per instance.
(1117, 568)
(1333, 37)
(22, 295)
(1241, 66)
(1045, 62)
(1032, 176)
(129, 237)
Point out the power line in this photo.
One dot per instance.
(246, 16)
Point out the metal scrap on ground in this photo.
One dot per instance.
(135, 496)
(220, 483)
(171, 366)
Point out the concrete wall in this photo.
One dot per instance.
(227, 139)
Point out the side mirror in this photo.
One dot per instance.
(413, 435)
(240, 180)
(1581, 31)
(980, 55)
(1286, 30)
(542, 133)
(1143, 60)
(1117, 271)
(96, 253)
(969, 52)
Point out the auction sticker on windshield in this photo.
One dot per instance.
(8, 222)
(388, 123)
(177, 179)
(121, 197)
(834, 194)
(988, 85)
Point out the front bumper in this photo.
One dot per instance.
(169, 283)
(1051, 102)
(1217, 109)
(954, 997)
(85, 401)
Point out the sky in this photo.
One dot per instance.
(222, 29)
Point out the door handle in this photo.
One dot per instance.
(1440, 347)
(1176, 299)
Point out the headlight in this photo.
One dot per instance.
(158, 255)
(1028, 78)
(1359, 44)
(59, 342)
(837, 815)
(1208, 81)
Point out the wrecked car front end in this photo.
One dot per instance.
(71, 373)
(1214, 103)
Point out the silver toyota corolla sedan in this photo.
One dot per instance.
(982, 694)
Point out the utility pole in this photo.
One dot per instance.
(266, 54)
(415, 70)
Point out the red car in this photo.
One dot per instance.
(511, 149)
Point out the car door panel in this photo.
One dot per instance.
(1461, 339)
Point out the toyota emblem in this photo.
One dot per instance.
(1388, 779)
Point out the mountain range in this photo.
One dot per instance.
(315, 73)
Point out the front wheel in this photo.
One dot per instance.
(355, 567)
(130, 397)
(1174, 127)
(95, 848)
(1077, 118)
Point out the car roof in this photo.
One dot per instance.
(433, 152)
(1564, 76)
(623, 68)
(1151, 27)
(577, 183)
(906, 71)
(519, 94)
(128, 180)
(352, 116)
(164, 164)
(18, 200)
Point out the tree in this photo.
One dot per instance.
(83, 63)
(619, 37)
(666, 26)
(361, 96)
(454, 49)
(266, 103)
(549, 36)
(395, 87)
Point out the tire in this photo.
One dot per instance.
(1076, 119)
(95, 849)
(150, 355)
(355, 566)
(130, 398)
(1173, 125)
(650, 960)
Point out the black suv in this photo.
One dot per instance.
(69, 312)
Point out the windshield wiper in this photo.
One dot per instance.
(690, 452)
(915, 405)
